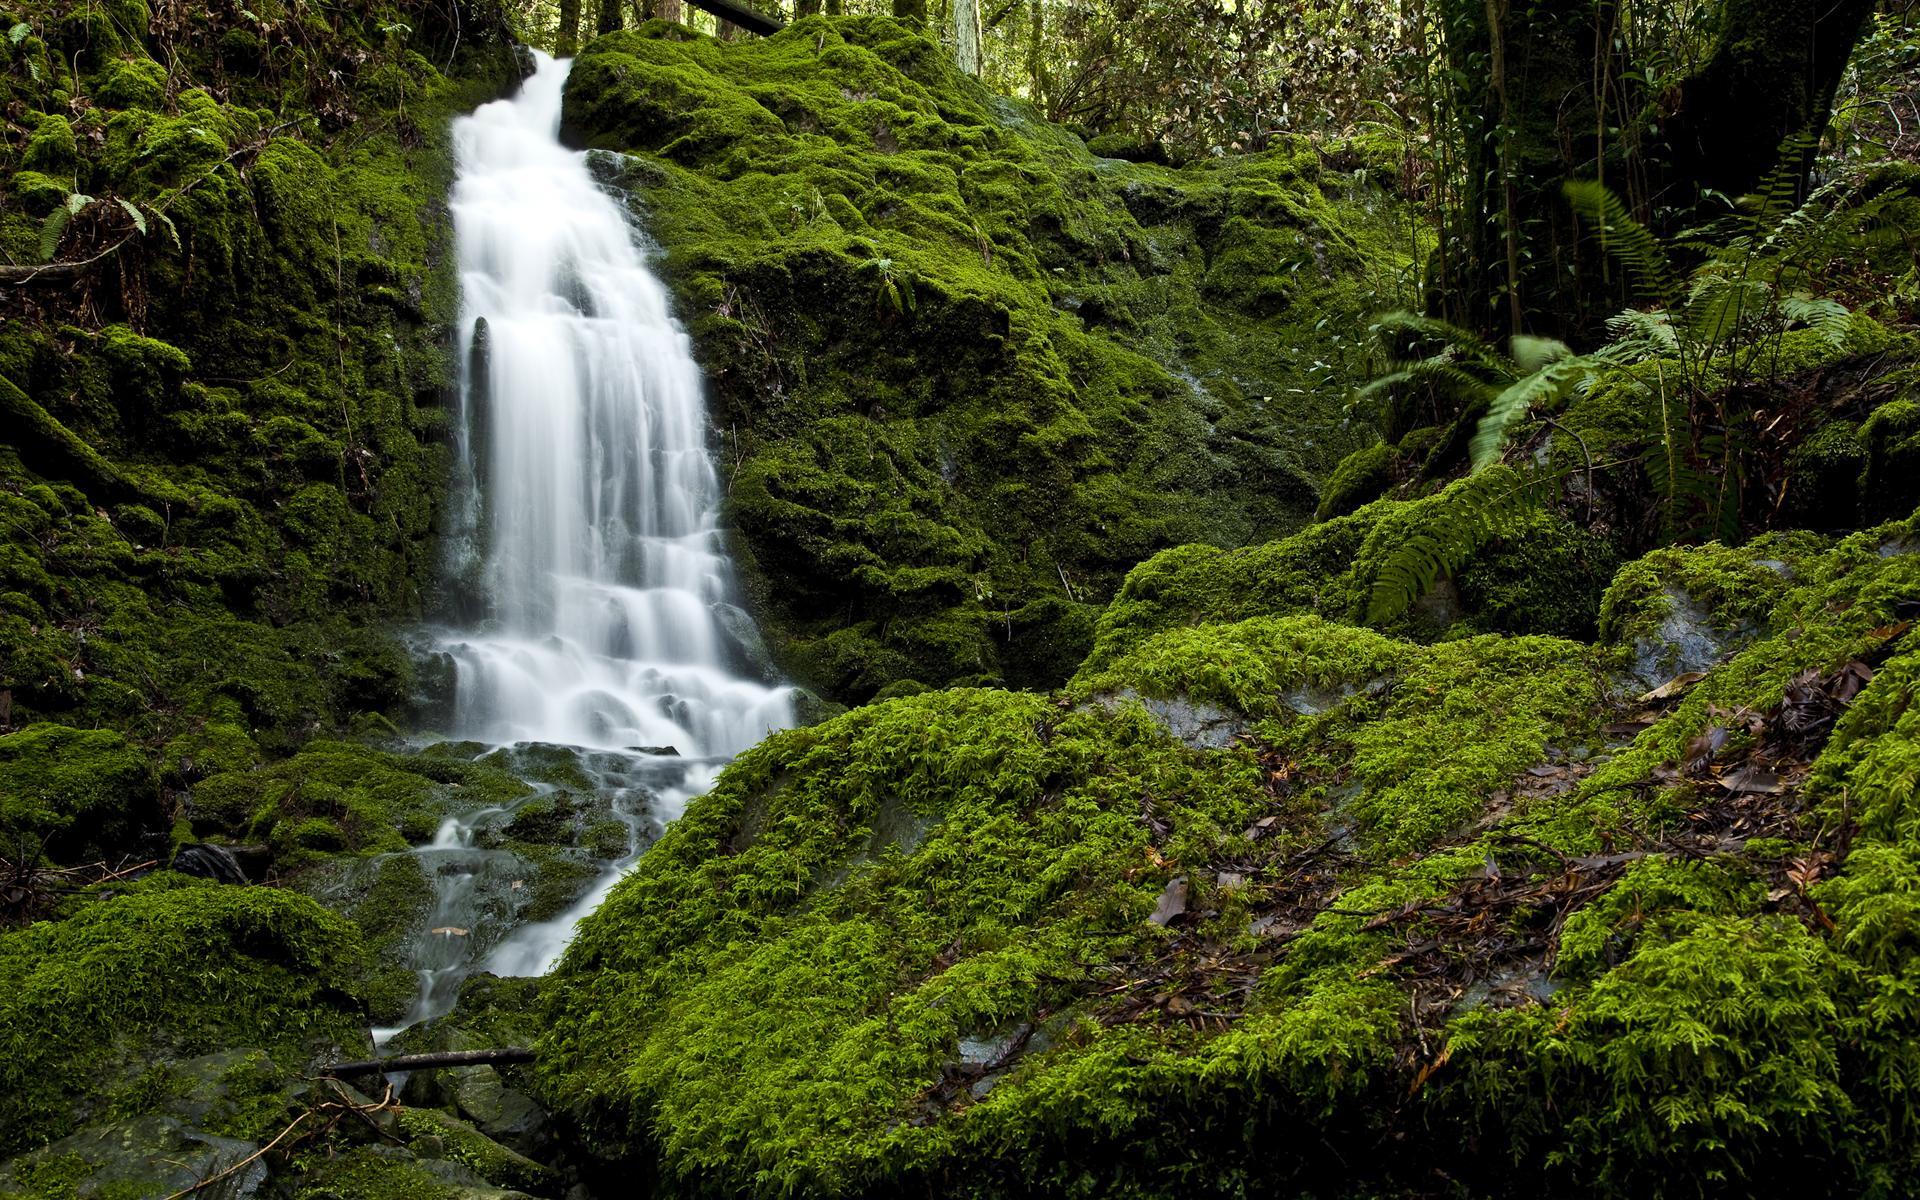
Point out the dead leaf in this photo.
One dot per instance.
(1673, 687)
(1173, 901)
(450, 931)
(1700, 750)
(1749, 778)
(1230, 880)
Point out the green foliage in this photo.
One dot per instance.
(966, 373)
(169, 970)
(72, 793)
(1452, 527)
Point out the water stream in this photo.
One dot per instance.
(586, 537)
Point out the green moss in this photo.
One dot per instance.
(932, 490)
(1889, 483)
(335, 796)
(88, 1002)
(1824, 488)
(1362, 476)
(52, 149)
(463, 1144)
(73, 793)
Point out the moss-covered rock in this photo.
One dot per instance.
(92, 1005)
(73, 793)
(965, 372)
(986, 943)
(220, 460)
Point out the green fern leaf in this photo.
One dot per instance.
(139, 219)
(1448, 529)
(1625, 239)
(1833, 320)
(50, 231)
(1549, 385)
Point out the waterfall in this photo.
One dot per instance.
(587, 516)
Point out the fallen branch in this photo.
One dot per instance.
(427, 1062)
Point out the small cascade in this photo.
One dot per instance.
(586, 541)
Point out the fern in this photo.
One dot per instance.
(1450, 528)
(56, 224)
(1548, 385)
(1625, 239)
(1833, 320)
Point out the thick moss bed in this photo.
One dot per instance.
(222, 456)
(93, 1007)
(966, 373)
(1460, 916)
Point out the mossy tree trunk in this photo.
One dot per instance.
(567, 40)
(1773, 75)
(610, 19)
(806, 8)
(911, 10)
(1544, 96)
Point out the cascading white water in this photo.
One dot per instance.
(590, 517)
(597, 499)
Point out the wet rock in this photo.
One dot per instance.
(502, 1113)
(1196, 723)
(146, 1156)
(209, 861)
(1686, 639)
(747, 651)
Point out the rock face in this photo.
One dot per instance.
(965, 373)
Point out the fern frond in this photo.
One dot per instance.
(1449, 528)
(1625, 239)
(1638, 336)
(56, 224)
(1549, 385)
(133, 210)
(1536, 353)
(1404, 336)
(1833, 320)
(1717, 309)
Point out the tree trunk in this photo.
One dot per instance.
(1538, 88)
(1037, 56)
(836, 8)
(610, 19)
(967, 35)
(670, 10)
(421, 1062)
(806, 8)
(1528, 110)
(1773, 76)
(913, 11)
(566, 43)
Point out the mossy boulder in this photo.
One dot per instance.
(92, 1006)
(986, 943)
(968, 373)
(74, 793)
(219, 470)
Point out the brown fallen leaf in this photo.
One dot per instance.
(1700, 750)
(450, 931)
(1673, 687)
(1749, 778)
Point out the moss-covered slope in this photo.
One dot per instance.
(222, 397)
(966, 373)
(1286, 903)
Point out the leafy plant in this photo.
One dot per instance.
(1447, 529)
(893, 291)
(1536, 372)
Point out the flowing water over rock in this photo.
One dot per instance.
(586, 541)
